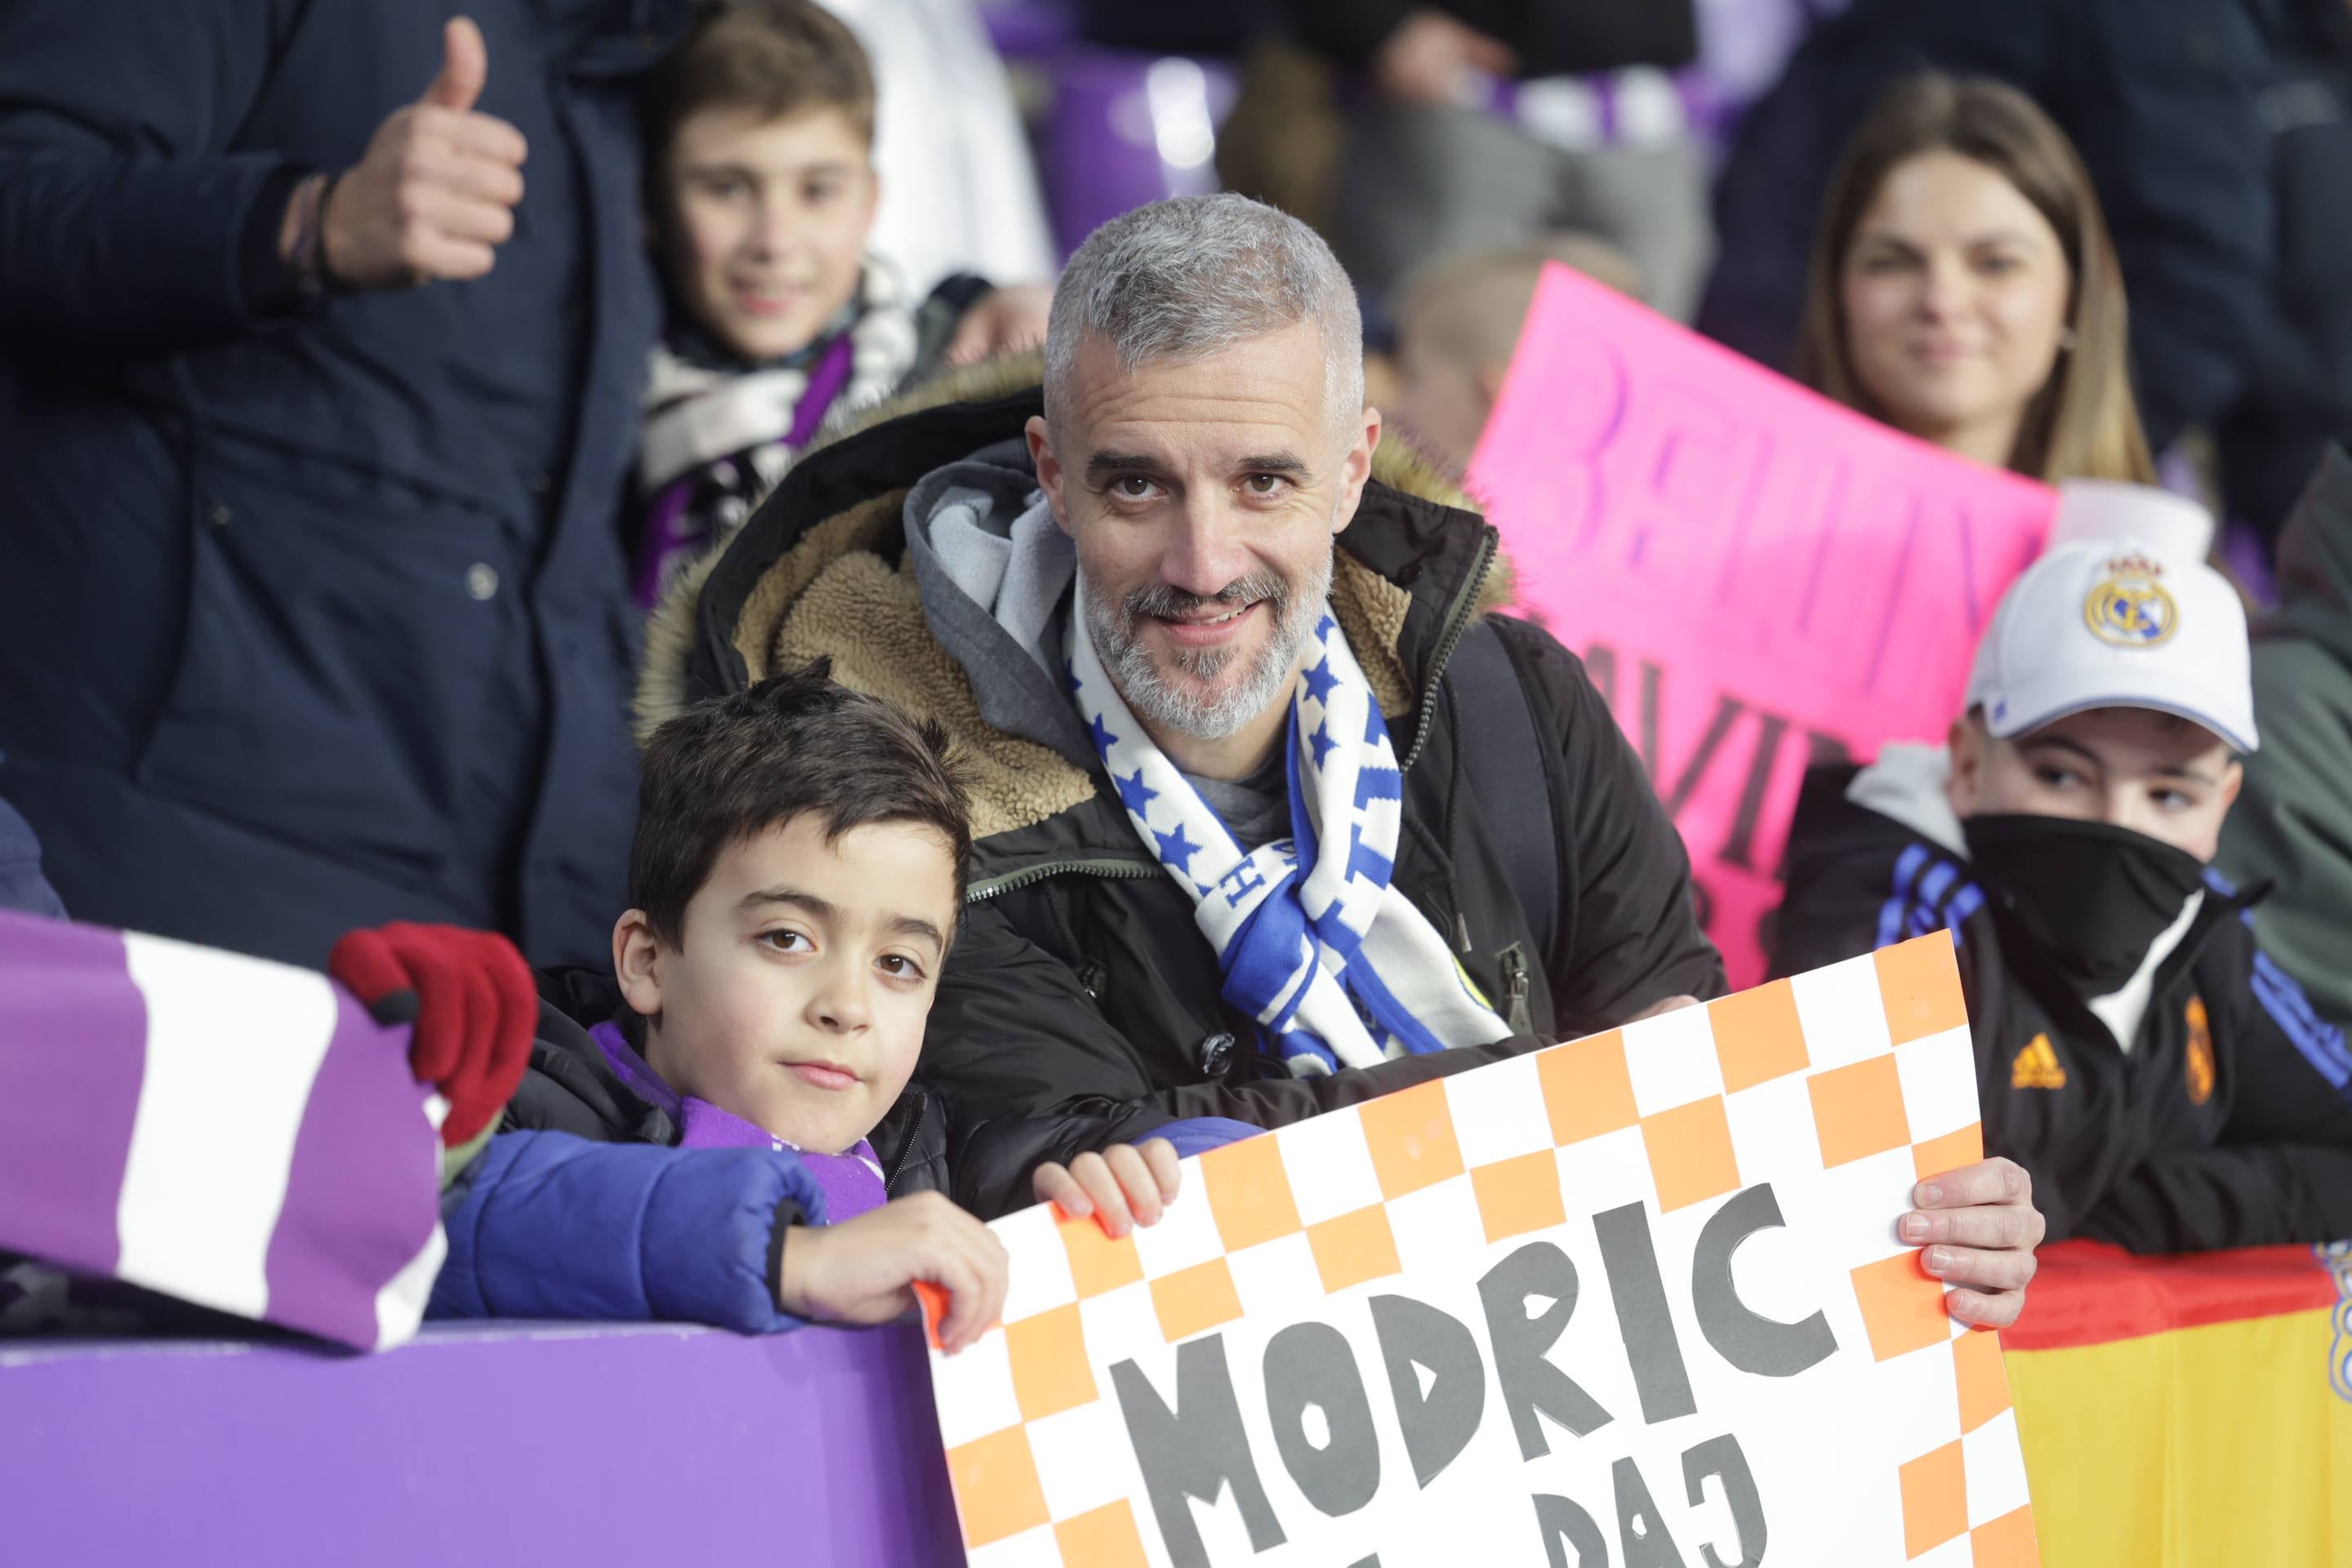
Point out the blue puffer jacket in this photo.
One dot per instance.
(547, 1225)
(584, 1207)
(316, 618)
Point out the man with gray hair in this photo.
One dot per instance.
(1270, 817)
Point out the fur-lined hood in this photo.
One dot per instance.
(823, 568)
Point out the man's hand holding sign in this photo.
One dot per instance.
(1978, 1223)
(1980, 1227)
(1649, 1297)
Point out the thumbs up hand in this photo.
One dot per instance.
(435, 194)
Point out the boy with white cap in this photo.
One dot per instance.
(2166, 1084)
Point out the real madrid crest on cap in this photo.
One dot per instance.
(2129, 607)
(2157, 630)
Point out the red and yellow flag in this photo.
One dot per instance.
(2187, 1412)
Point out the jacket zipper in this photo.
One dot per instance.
(1449, 636)
(1515, 987)
(906, 1151)
(1012, 881)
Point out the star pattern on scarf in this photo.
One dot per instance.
(1070, 676)
(1322, 681)
(1321, 741)
(1104, 739)
(1325, 627)
(1176, 849)
(1134, 793)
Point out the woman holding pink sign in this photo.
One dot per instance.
(1963, 288)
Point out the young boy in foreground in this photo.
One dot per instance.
(726, 1132)
(2166, 1084)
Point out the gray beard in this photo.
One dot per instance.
(1158, 701)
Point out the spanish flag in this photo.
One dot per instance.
(2189, 1412)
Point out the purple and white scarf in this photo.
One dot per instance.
(230, 1131)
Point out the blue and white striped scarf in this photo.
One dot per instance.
(1336, 965)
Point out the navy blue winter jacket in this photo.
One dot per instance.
(584, 1207)
(316, 617)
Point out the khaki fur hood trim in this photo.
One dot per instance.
(836, 593)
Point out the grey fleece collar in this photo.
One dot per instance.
(995, 571)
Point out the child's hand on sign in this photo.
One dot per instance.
(1125, 1185)
(1980, 1227)
(865, 1270)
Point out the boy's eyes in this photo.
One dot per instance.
(896, 966)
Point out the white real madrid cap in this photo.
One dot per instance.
(2109, 623)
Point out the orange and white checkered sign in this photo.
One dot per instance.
(1838, 1089)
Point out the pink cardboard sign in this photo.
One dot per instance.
(1757, 578)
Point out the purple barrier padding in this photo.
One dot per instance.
(73, 1048)
(570, 1444)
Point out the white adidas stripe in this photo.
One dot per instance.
(233, 1047)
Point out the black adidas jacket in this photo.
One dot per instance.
(2228, 1124)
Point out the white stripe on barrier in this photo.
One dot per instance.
(400, 1305)
(233, 1047)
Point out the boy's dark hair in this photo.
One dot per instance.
(778, 58)
(731, 768)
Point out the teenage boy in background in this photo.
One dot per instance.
(761, 143)
(2166, 1084)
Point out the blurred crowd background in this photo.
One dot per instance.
(323, 590)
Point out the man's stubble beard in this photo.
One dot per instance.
(1160, 702)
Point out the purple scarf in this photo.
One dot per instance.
(851, 1182)
(674, 533)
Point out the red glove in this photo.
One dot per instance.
(470, 996)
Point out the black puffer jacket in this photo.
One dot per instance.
(1081, 1006)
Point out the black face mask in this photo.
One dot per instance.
(2091, 897)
